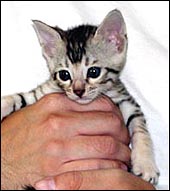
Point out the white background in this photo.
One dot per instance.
(147, 70)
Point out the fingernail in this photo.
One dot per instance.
(47, 184)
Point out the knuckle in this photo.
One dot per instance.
(117, 121)
(50, 100)
(53, 122)
(114, 121)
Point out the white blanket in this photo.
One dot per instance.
(147, 70)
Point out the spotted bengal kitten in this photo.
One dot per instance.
(85, 62)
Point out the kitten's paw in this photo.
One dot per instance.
(7, 104)
(146, 168)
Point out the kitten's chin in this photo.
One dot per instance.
(80, 100)
(83, 101)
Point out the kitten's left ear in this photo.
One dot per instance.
(113, 30)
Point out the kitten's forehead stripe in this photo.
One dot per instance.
(66, 63)
(112, 70)
(76, 41)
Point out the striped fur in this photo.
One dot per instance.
(76, 50)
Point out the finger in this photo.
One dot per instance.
(75, 180)
(60, 102)
(92, 123)
(96, 147)
(90, 164)
(107, 179)
(99, 123)
(101, 103)
(84, 180)
(70, 124)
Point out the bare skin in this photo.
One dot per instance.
(102, 179)
(57, 135)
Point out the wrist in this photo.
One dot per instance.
(8, 177)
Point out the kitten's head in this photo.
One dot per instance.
(85, 61)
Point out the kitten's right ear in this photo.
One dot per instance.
(48, 37)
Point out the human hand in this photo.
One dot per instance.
(57, 135)
(102, 179)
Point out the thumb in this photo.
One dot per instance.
(65, 181)
(80, 180)
(105, 179)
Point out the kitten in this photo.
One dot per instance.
(85, 62)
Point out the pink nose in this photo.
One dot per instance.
(79, 92)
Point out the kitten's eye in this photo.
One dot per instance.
(64, 75)
(93, 72)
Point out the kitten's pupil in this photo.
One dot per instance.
(64, 75)
(93, 72)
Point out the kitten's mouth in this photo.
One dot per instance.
(83, 100)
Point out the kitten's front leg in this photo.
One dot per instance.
(12, 103)
(142, 157)
(7, 106)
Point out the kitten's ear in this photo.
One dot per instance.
(113, 29)
(48, 37)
